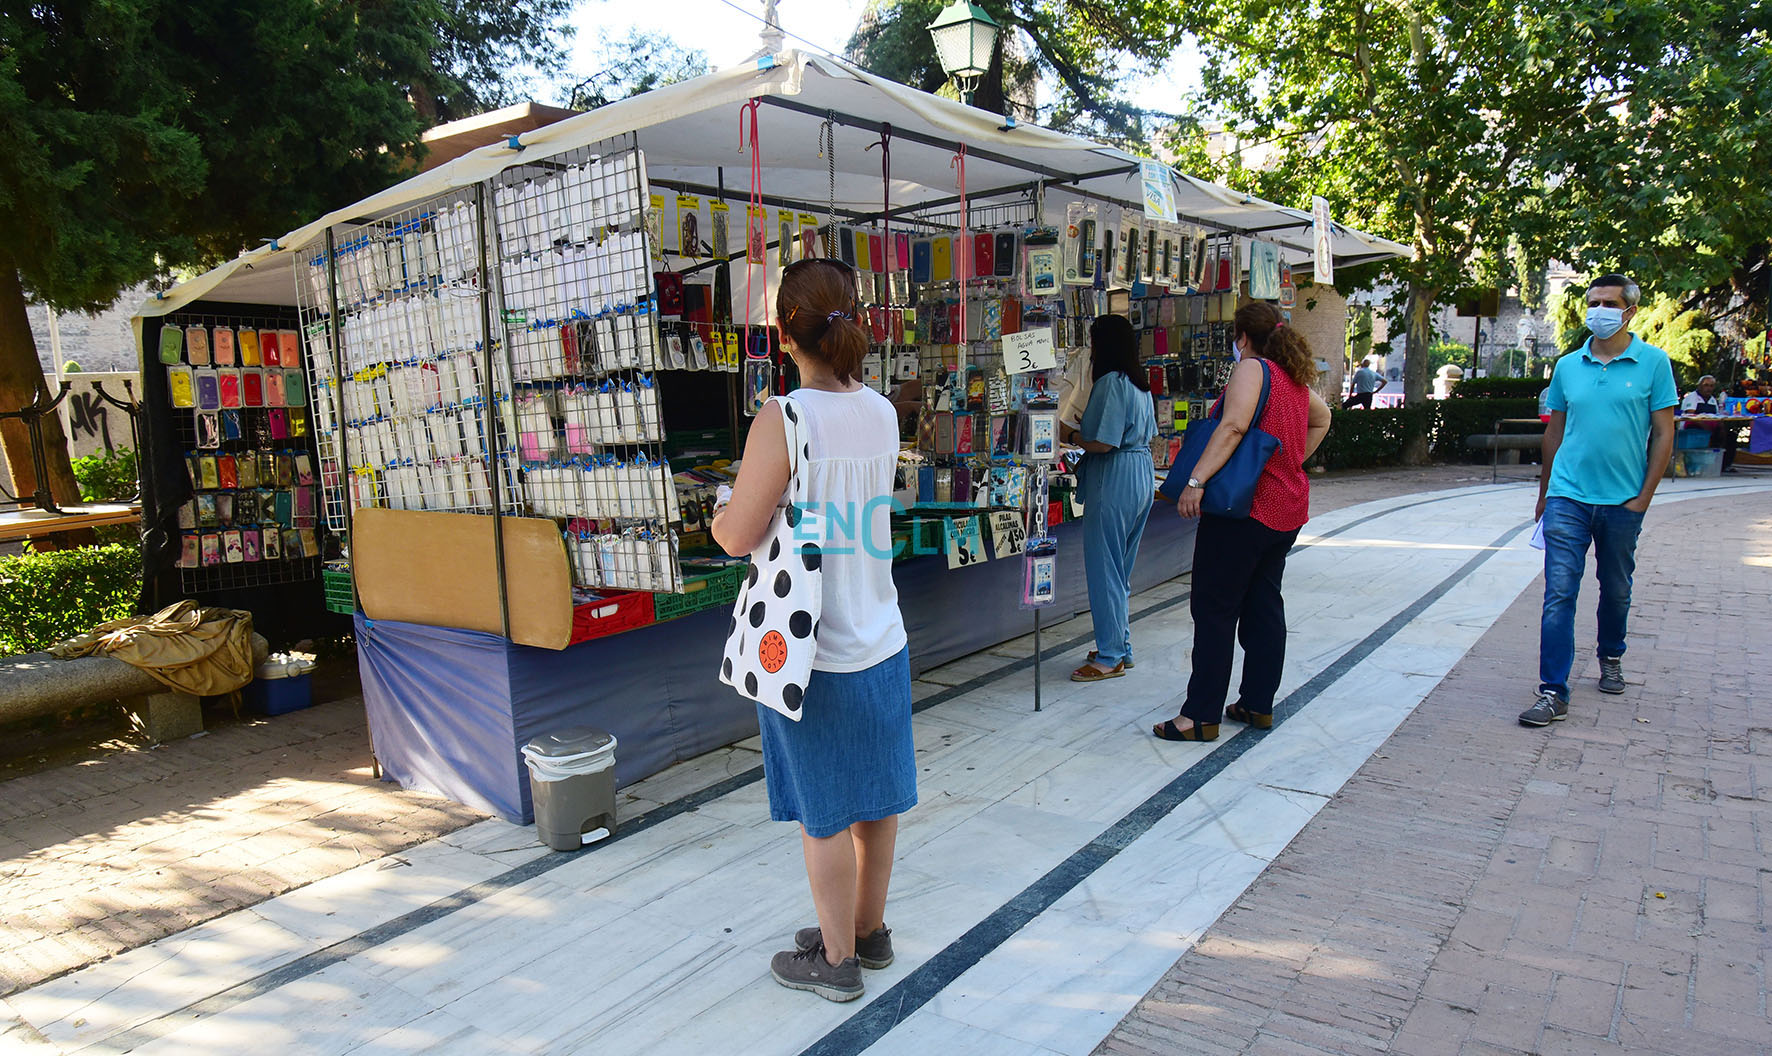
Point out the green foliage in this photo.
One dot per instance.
(634, 64)
(1363, 439)
(108, 477)
(45, 597)
(1669, 178)
(1443, 352)
(1568, 311)
(71, 367)
(1453, 420)
(1498, 388)
(478, 45)
(1685, 334)
(1084, 51)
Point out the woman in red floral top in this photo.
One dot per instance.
(1238, 561)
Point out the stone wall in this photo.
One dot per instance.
(101, 341)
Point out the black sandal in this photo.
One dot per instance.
(1199, 731)
(1257, 719)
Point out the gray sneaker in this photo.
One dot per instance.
(1611, 674)
(808, 970)
(873, 951)
(1548, 708)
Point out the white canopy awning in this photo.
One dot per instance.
(690, 134)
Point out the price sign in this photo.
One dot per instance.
(1028, 351)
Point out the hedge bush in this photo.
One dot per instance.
(1498, 388)
(45, 597)
(1453, 420)
(1363, 439)
(109, 477)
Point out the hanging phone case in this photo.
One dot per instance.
(212, 551)
(181, 387)
(876, 253)
(1004, 256)
(206, 514)
(233, 549)
(295, 394)
(197, 345)
(846, 245)
(249, 543)
(249, 352)
(277, 421)
(984, 253)
(209, 477)
(285, 508)
(922, 260)
(273, 544)
(941, 265)
(190, 550)
(270, 348)
(247, 466)
(228, 386)
(252, 388)
(227, 476)
(289, 343)
(901, 251)
(222, 350)
(274, 389)
(172, 345)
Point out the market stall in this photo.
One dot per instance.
(573, 328)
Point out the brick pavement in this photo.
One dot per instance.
(1600, 886)
(125, 848)
(129, 845)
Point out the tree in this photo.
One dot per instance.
(1084, 48)
(1421, 121)
(1672, 183)
(637, 63)
(142, 135)
(478, 45)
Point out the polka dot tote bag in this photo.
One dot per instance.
(774, 633)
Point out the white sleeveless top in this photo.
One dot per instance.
(854, 441)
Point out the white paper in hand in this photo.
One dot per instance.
(1538, 535)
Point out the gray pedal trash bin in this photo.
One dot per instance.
(572, 784)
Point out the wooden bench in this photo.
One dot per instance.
(39, 684)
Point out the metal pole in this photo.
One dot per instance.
(494, 468)
(1036, 659)
(346, 477)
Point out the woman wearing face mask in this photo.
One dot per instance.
(1238, 561)
(1115, 476)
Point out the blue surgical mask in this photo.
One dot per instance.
(1605, 321)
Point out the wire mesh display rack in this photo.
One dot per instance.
(575, 293)
(491, 351)
(242, 418)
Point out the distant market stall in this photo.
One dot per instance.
(489, 405)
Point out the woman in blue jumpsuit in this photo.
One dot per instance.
(1118, 481)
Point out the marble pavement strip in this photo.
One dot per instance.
(658, 941)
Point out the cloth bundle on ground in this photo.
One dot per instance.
(202, 651)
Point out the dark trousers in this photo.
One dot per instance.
(1357, 399)
(1238, 562)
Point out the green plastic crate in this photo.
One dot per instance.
(705, 591)
(338, 591)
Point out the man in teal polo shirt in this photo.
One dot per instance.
(1610, 436)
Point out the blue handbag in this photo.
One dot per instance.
(1231, 491)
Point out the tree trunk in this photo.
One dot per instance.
(1418, 335)
(21, 378)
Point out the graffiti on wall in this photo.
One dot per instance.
(94, 425)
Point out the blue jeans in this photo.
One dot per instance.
(1569, 526)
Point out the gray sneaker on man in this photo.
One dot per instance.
(808, 970)
(1548, 708)
(1611, 674)
(873, 951)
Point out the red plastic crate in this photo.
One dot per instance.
(611, 613)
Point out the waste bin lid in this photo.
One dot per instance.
(575, 742)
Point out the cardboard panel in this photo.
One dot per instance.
(438, 569)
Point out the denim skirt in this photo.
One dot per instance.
(850, 757)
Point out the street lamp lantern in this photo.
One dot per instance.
(964, 35)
